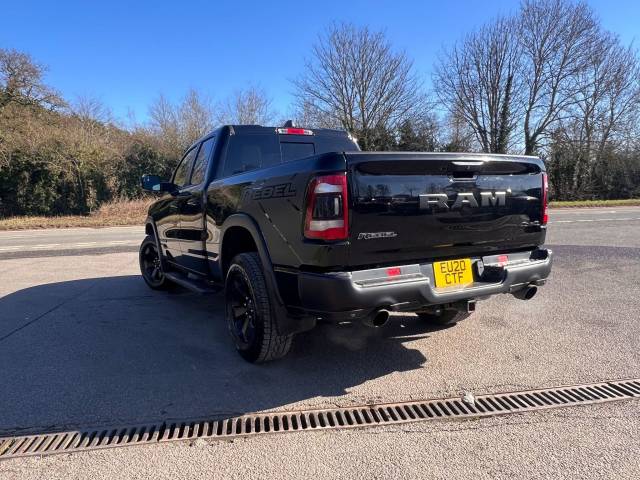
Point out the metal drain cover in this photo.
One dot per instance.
(321, 419)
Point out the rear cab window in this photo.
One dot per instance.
(295, 151)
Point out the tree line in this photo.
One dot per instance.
(547, 80)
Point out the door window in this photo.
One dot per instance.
(202, 160)
(181, 175)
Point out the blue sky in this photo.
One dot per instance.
(126, 53)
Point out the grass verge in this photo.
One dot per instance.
(116, 213)
(595, 203)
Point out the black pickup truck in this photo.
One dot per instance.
(298, 225)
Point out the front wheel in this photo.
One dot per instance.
(248, 311)
(151, 266)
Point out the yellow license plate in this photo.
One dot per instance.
(453, 273)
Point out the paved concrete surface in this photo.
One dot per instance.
(583, 442)
(83, 342)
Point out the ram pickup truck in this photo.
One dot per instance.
(299, 225)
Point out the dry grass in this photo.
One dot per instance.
(119, 212)
(596, 203)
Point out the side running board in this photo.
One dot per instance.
(197, 286)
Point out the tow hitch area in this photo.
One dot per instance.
(466, 306)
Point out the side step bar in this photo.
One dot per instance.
(196, 286)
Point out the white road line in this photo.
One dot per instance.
(4, 249)
(587, 211)
(62, 246)
(596, 220)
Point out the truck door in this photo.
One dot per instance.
(169, 224)
(193, 232)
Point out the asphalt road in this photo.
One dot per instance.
(83, 342)
(69, 241)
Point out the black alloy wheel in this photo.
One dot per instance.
(150, 264)
(249, 313)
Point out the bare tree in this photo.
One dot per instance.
(87, 109)
(21, 81)
(196, 116)
(357, 81)
(478, 80)
(556, 39)
(307, 114)
(251, 106)
(165, 125)
(604, 110)
(458, 136)
(179, 125)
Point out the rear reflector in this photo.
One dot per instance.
(294, 131)
(503, 260)
(327, 215)
(393, 272)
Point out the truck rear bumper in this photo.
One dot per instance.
(344, 296)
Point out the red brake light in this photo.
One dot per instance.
(545, 198)
(327, 215)
(294, 131)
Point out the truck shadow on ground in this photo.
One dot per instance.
(108, 351)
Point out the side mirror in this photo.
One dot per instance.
(153, 183)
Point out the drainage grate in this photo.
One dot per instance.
(321, 419)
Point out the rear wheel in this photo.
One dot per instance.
(150, 265)
(444, 318)
(250, 318)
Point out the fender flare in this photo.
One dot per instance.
(248, 223)
(150, 221)
(285, 323)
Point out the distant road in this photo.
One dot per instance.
(580, 224)
(69, 241)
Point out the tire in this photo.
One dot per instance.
(150, 265)
(444, 319)
(249, 314)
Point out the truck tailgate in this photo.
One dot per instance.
(418, 206)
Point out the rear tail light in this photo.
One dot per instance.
(327, 216)
(294, 131)
(545, 198)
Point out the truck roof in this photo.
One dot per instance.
(269, 129)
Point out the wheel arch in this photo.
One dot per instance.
(238, 226)
(151, 229)
(240, 233)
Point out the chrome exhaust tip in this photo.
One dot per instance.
(377, 319)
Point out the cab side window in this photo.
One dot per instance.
(202, 161)
(249, 152)
(181, 174)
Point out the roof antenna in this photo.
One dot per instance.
(288, 124)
